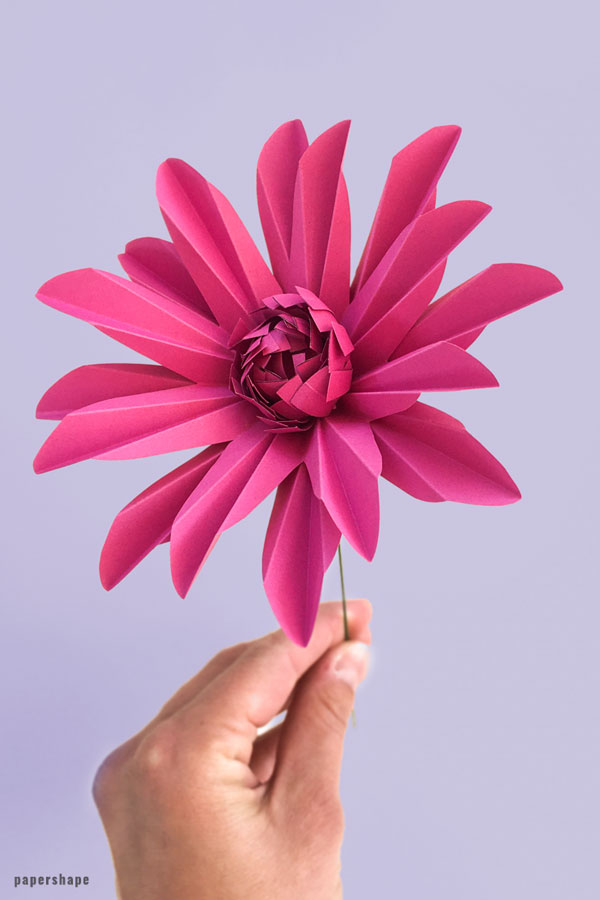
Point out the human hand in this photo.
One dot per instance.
(198, 806)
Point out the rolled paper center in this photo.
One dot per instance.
(294, 363)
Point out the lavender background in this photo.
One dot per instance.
(473, 773)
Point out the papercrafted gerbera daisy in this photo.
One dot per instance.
(292, 378)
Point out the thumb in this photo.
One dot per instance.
(309, 756)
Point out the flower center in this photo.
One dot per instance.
(294, 364)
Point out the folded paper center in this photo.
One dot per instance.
(294, 363)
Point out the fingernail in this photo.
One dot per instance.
(351, 663)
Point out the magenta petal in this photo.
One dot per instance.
(147, 520)
(90, 384)
(344, 464)
(213, 243)
(438, 367)
(248, 470)
(145, 425)
(430, 455)
(310, 397)
(378, 344)
(411, 182)
(156, 264)
(370, 405)
(466, 310)
(276, 177)
(161, 328)
(285, 452)
(396, 385)
(413, 257)
(465, 340)
(320, 251)
(206, 368)
(300, 543)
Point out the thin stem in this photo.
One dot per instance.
(344, 608)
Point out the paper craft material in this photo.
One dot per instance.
(293, 378)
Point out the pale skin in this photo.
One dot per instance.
(199, 806)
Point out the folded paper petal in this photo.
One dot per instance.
(390, 301)
(375, 346)
(213, 243)
(344, 464)
(369, 405)
(395, 386)
(320, 249)
(247, 471)
(465, 340)
(293, 386)
(276, 177)
(431, 456)
(156, 264)
(300, 543)
(465, 311)
(161, 328)
(410, 184)
(438, 367)
(147, 520)
(146, 424)
(104, 381)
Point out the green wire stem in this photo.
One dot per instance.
(344, 607)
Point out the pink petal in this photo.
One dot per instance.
(438, 367)
(339, 382)
(248, 470)
(145, 425)
(276, 177)
(410, 184)
(213, 243)
(300, 543)
(156, 264)
(376, 404)
(430, 455)
(375, 346)
(464, 341)
(396, 385)
(166, 331)
(466, 310)
(320, 251)
(310, 397)
(90, 384)
(344, 464)
(146, 521)
(393, 288)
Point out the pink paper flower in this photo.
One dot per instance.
(295, 379)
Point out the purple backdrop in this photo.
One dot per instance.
(473, 772)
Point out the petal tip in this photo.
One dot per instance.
(41, 463)
(108, 580)
(54, 285)
(169, 169)
(515, 494)
(181, 581)
(451, 132)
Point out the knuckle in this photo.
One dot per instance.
(263, 649)
(155, 757)
(274, 640)
(109, 774)
(226, 656)
(101, 785)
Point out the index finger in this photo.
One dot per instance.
(256, 686)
